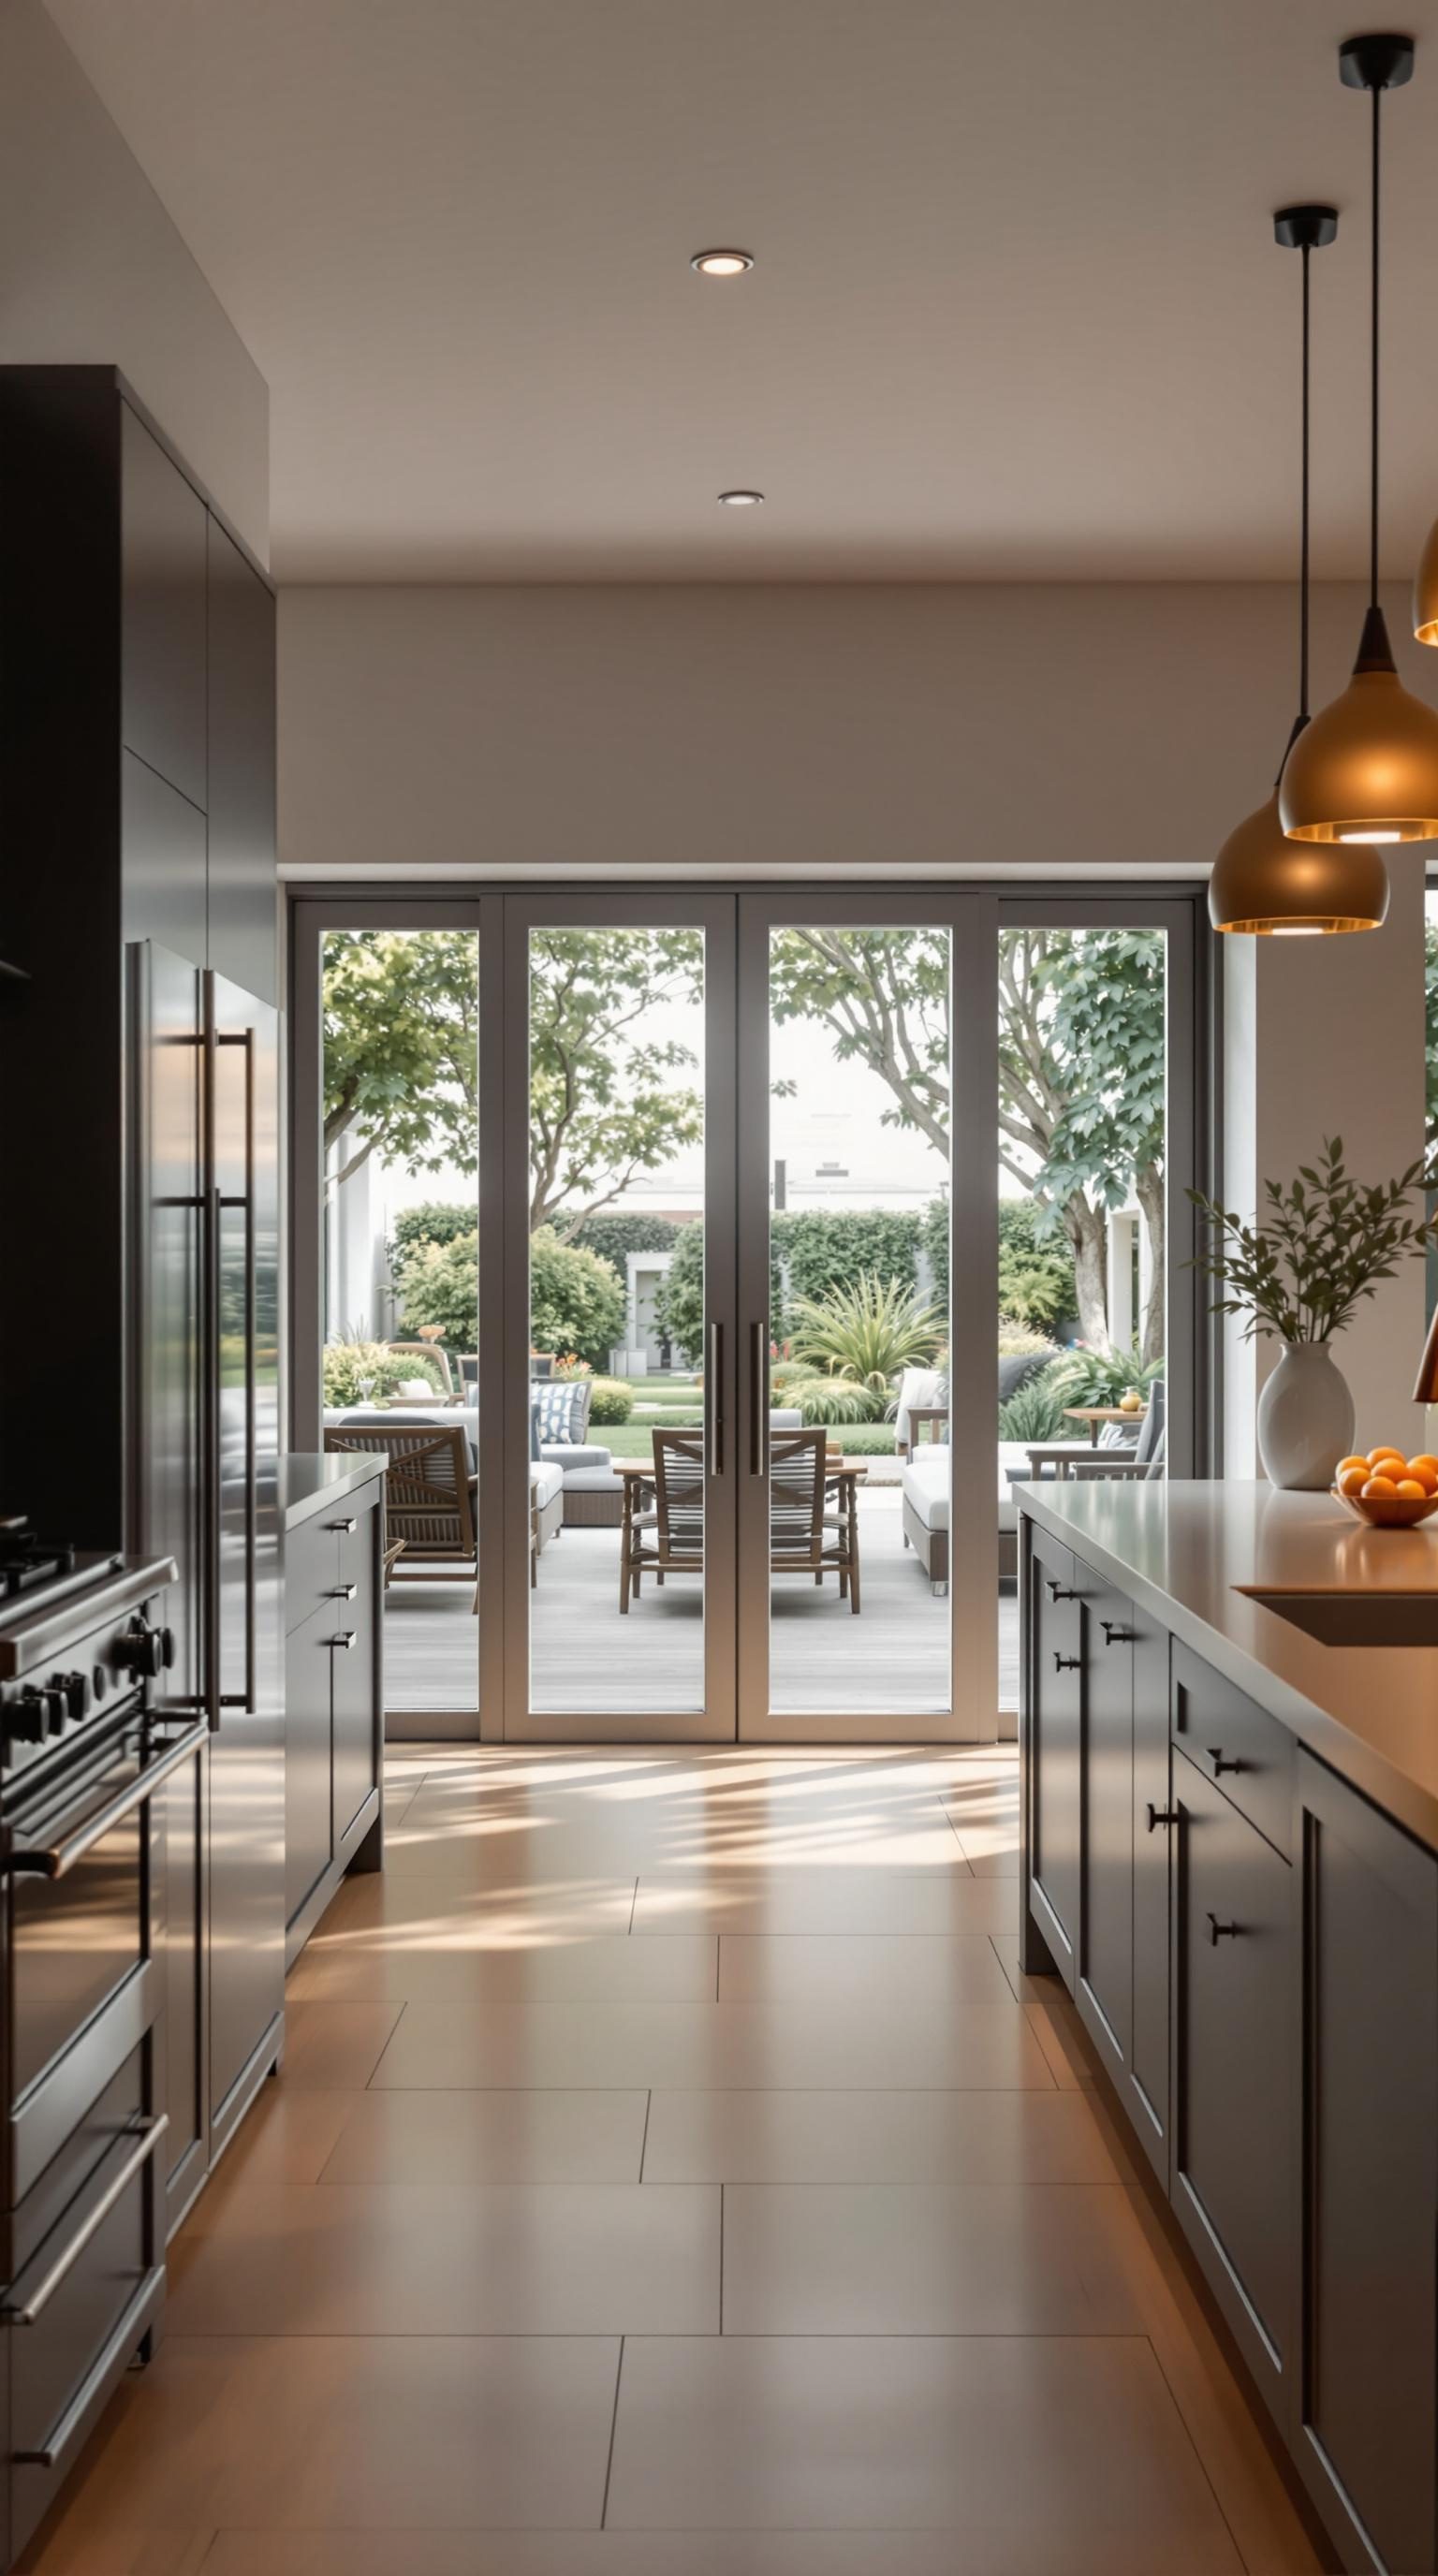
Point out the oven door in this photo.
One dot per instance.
(83, 1983)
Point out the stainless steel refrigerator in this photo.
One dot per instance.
(203, 1342)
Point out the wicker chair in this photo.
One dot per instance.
(429, 1493)
(429, 1351)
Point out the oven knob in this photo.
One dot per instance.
(140, 1652)
(75, 1689)
(27, 1715)
(167, 1648)
(55, 1710)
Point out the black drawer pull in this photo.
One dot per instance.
(1215, 1755)
(342, 1592)
(345, 1638)
(1221, 1931)
(1056, 1591)
(1113, 1636)
(1066, 1663)
(344, 1527)
(1161, 1816)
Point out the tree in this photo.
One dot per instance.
(1063, 1133)
(607, 1095)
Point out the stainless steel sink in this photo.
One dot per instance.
(1354, 1618)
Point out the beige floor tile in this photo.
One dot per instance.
(779, 1902)
(382, 1915)
(868, 1965)
(621, 2041)
(336, 2044)
(1067, 2455)
(289, 2136)
(635, 2553)
(1053, 2017)
(602, 1962)
(449, 2259)
(926, 2259)
(1019, 2137)
(62, 2550)
(363, 2433)
(487, 2137)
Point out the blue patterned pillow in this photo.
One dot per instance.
(556, 1400)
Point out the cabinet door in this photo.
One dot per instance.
(308, 1788)
(1148, 2056)
(241, 790)
(1370, 2086)
(177, 1831)
(162, 558)
(162, 864)
(1055, 1748)
(1105, 1985)
(356, 1714)
(1234, 2043)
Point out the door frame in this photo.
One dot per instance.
(314, 906)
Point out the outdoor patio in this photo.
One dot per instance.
(893, 1658)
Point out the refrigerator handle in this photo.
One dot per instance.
(210, 1633)
(245, 1038)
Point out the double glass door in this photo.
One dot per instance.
(683, 1232)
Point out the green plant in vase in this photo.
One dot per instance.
(1298, 1274)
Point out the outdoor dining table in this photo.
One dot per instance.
(842, 1477)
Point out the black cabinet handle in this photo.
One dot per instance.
(342, 1592)
(1066, 1663)
(1215, 1755)
(1161, 1816)
(1113, 1636)
(1221, 1931)
(345, 1638)
(1056, 1591)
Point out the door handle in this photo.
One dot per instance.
(1221, 1931)
(245, 1040)
(1161, 1816)
(714, 1400)
(59, 1859)
(1215, 1755)
(759, 1398)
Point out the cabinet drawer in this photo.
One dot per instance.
(1236, 1744)
(355, 1714)
(312, 1570)
(308, 1790)
(354, 1528)
(1055, 1731)
(1233, 2064)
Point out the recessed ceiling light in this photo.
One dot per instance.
(721, 263)
(741, 500)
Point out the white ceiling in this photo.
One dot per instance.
(1017, 312)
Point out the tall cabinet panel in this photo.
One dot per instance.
(162, 530)
(241, 654)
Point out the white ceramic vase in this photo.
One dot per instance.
(1305, 1419)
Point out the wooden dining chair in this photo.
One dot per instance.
(805, 1534)
(429, 1492)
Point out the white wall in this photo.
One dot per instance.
(93, 272)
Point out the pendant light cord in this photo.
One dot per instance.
(1373, 395)
(1303, 539)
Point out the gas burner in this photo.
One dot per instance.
(30, 1565)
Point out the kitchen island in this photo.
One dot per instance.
(333, 1509)
(1230, 1856)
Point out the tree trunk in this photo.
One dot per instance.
(1149, 1191)
(1087, 1231)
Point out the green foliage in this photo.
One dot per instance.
(608, 1099)
(1101, 1377)
(343, 1364)
(401, 1031)
(612, 1402)
(615, 1237)
(1322, 1245)
(824, 1250)
(679, 1298)
(867, 1332)
(1036, 1271)
(1035, 1411)
(1017, 1341)
(829, 1399)
(868, 1439)
(432, 1221)
(438, 1283)
(1107, 1029)
(575, 1300)
(934, 1239)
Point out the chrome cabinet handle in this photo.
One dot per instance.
(342, 1592)
(345, 1638)
(59, 1859)
(32, 2309)
(1221, 1931)
(1215, 1755)
(344, 1527)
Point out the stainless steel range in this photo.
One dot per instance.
(84, 1743)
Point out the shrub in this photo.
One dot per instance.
(868, 1332)
(1017, 1340)
(823, 1250)
(1036, 1271)
(438, 1283)
(432, 1221)
(1035, 1411)
(575, 1300)
(612, 1402)
(828, 1399)
(1101, 1377)
(345, 1363)
(615, 1237)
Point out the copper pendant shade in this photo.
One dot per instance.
(1425, 591)
(1366, 769)
(1263, 884)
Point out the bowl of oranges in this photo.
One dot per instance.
(1386, 1489)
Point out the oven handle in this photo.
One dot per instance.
(60, 1858)
(148, 2137)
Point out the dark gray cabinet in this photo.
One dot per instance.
(1369, 2398)
(163, 541)
(240, 651)
(1234, 1953)
(1055, 1786)
(309, 1836)
(163, 896)
(1105, 1978)
(334, 1697)
(1148, 2072)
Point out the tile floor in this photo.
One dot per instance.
(672, 2171)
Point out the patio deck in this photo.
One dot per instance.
(893, 1658)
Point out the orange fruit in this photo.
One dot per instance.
(1352, 1480)
(1376, 1457)
(1349, 1467)
(1410, 1491)
(1424, 1473)
(1380, 1489)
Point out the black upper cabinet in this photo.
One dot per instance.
(163, 876)
(241, 655)
(162, 536)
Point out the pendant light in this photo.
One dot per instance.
(1367, 767)
(1262, 882)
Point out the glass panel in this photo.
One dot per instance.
(1082, 1287)
(859, 1313)
(1430, 1031)
(616, 1317)
(401, 1278)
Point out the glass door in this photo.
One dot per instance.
(618, 1261)
(867, 1376)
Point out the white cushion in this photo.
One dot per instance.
(917, 1386)
(544, 1481)
(592, 1480)
(925, 1480)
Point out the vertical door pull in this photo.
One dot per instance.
(759, 1398)
(714, 1400)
